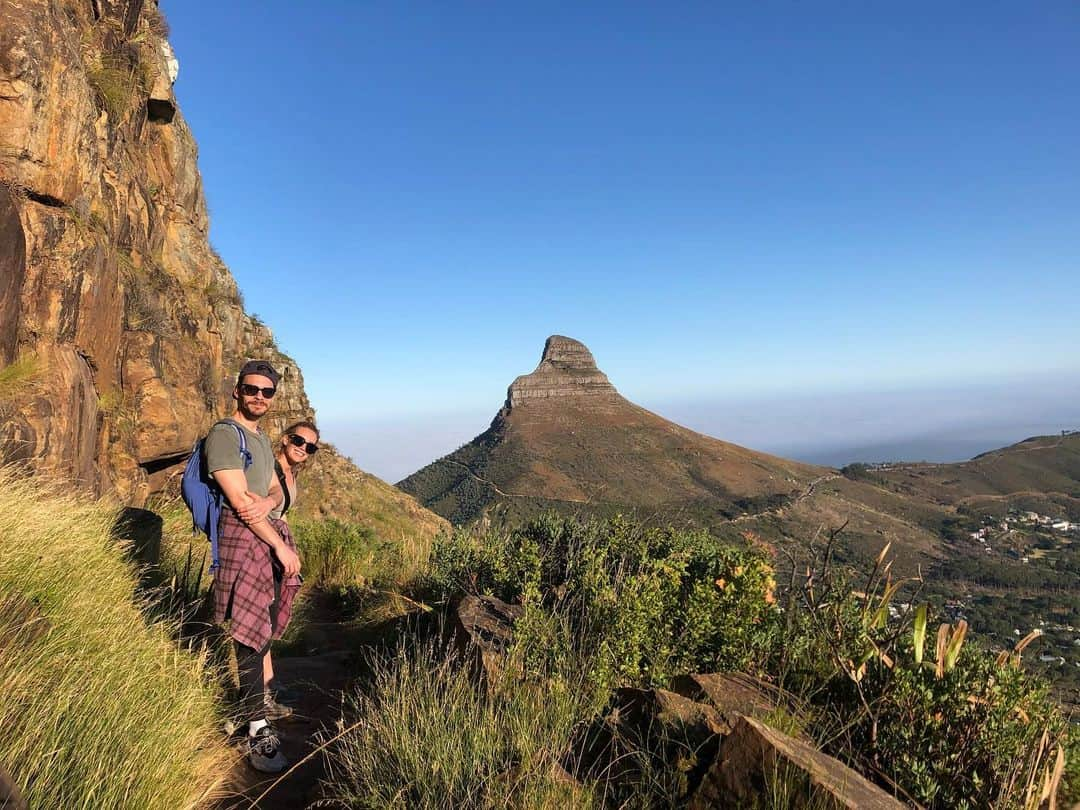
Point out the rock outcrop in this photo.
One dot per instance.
(483, 630)
(121, 329)
(755, 762)
(711, 758)
(567, 369)
(134, 324)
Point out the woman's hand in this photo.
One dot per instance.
(256, 509)
(288, 559)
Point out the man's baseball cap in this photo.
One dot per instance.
(259, 367)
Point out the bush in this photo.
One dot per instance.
(339, 554)
(99, 708)
(952, 729)
(644, 604)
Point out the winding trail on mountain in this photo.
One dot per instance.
(779, 510)
(498, 491)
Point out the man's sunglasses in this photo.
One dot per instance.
(300, 441)
(249, 390)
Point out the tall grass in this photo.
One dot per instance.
(336, 553)
(98, 708)
(428, 737)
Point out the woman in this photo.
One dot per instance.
(298, 444)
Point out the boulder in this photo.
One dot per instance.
(10, 797)
(734, 694)
(483, 629)
(756, 764)
(645, 732)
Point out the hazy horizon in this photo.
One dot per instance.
(937, 424)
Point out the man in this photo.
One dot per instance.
(259, 573)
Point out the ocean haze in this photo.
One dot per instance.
(940, 424)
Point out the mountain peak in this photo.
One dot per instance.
(565, 352)
(566, 369)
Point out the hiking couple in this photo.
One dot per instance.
(258, 570)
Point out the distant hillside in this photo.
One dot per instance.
(335, 487)
(1043, 468)
(1012, 545)
(565, 439)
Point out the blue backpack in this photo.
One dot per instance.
(202, 494)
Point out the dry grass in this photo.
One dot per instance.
(427, 737)
(99, 709)
(333, 487)
(114, 81)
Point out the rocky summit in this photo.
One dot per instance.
(567, 369)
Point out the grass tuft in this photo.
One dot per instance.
(16, 376)
(427, 737)
(337, 553)
(114, 81)
(99, 708)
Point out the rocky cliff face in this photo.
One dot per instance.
(567, 369)
(128, 324)
(120, 328)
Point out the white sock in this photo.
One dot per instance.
(255, 725)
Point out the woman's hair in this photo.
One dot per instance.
(303, 423)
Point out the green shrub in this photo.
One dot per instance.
(339, 554)
(99, 709)
(951, 729)
(644, 604)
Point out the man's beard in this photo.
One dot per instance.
(245, 409)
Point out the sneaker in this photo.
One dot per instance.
(264, 751)
(275, 710)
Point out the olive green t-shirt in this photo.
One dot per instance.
(222, 449)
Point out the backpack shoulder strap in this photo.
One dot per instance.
(245, 454)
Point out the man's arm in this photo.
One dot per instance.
(258, 508)
(234, 484)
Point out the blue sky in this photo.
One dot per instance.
(766, 204)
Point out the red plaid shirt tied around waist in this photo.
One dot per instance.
(244, 585)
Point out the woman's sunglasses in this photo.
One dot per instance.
(249, 390)
(300, 441)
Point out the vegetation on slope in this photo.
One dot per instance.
(426, 737)
(99, 708)
(335, 488)
(929, 717)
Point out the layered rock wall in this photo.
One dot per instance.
(566, 369)
(120, 327)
